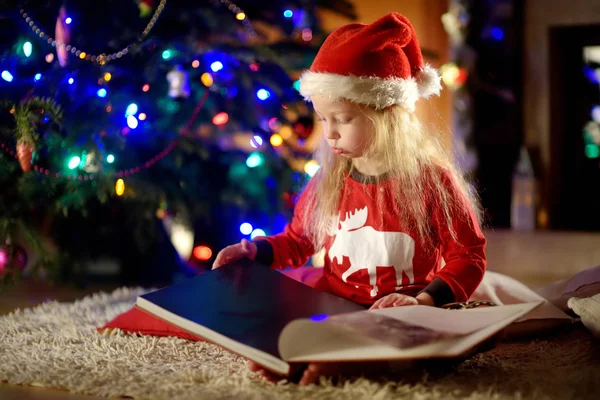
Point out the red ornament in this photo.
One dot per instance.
(304, 127)
(24, 154)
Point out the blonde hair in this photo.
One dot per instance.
(418, 165)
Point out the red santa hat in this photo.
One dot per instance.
(378, 64)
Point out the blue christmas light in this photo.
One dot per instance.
(263, 94)
(497, 33)
(110, 159)
(68, 20)
(71, 80)
(319, 317)
(101, 92)
(590, 74)
(246, 228)
(132, 109)
(254, 160)
(288, 13)
(216, 66)
(27, 49)
(132, 122)
(7, 76)
(37, 77)
(257, 232)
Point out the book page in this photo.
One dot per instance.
(437, 333)
(458, 322)
(392, 331)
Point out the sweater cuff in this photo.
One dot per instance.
(440, 291)
(264, 253)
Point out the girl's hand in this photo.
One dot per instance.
(235, 252)
(394, 300)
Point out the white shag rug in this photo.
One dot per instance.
(56, 345)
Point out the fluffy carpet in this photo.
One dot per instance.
(56, 345)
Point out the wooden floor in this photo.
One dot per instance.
(535, 259)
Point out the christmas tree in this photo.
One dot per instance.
(126, 124)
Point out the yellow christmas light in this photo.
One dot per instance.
(82, 55)
(120, 187)
(107, 77)
(276, 140)
(240, 16)
(311, 167)
(206, 79)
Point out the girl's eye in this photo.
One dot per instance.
(320, 119)
(343, 121)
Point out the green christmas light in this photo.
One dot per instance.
(167, 54)
(592, 151)
(110, 159)
(74, 162)
(254, 160)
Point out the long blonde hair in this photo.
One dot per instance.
(418, 165)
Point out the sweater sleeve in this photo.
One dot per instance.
(292, 247)
(465, 253)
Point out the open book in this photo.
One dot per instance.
(273, 320)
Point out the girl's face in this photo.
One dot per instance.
(345, 126)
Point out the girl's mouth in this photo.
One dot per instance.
(337, 150)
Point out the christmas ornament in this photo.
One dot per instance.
(304, 127)
(145, 7)
(63, 37)
(24, 154)
(12, 258)
(92, 162)
(179, 83)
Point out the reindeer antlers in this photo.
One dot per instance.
(355, 220)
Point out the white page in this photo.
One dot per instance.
(305, 340)
(460, 322)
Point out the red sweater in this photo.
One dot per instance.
(371, 254)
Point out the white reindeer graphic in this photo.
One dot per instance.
(368, 249)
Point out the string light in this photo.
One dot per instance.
(120, 187)
(276, 140)
(206, 79)
(98, 59)
(220, 119)
(202, 253)
(7, 76)
(238, 11)
(27, 49)
(246, 228)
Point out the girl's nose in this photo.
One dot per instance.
(331, 134)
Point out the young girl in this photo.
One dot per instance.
(387, 204)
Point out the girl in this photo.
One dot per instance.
(387, 204)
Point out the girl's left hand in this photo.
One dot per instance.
(394, 300)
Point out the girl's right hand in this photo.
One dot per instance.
(235, 252)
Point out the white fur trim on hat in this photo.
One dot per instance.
(373, 91)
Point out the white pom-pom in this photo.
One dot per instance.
(429, 82)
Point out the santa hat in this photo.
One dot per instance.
(379, 65)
